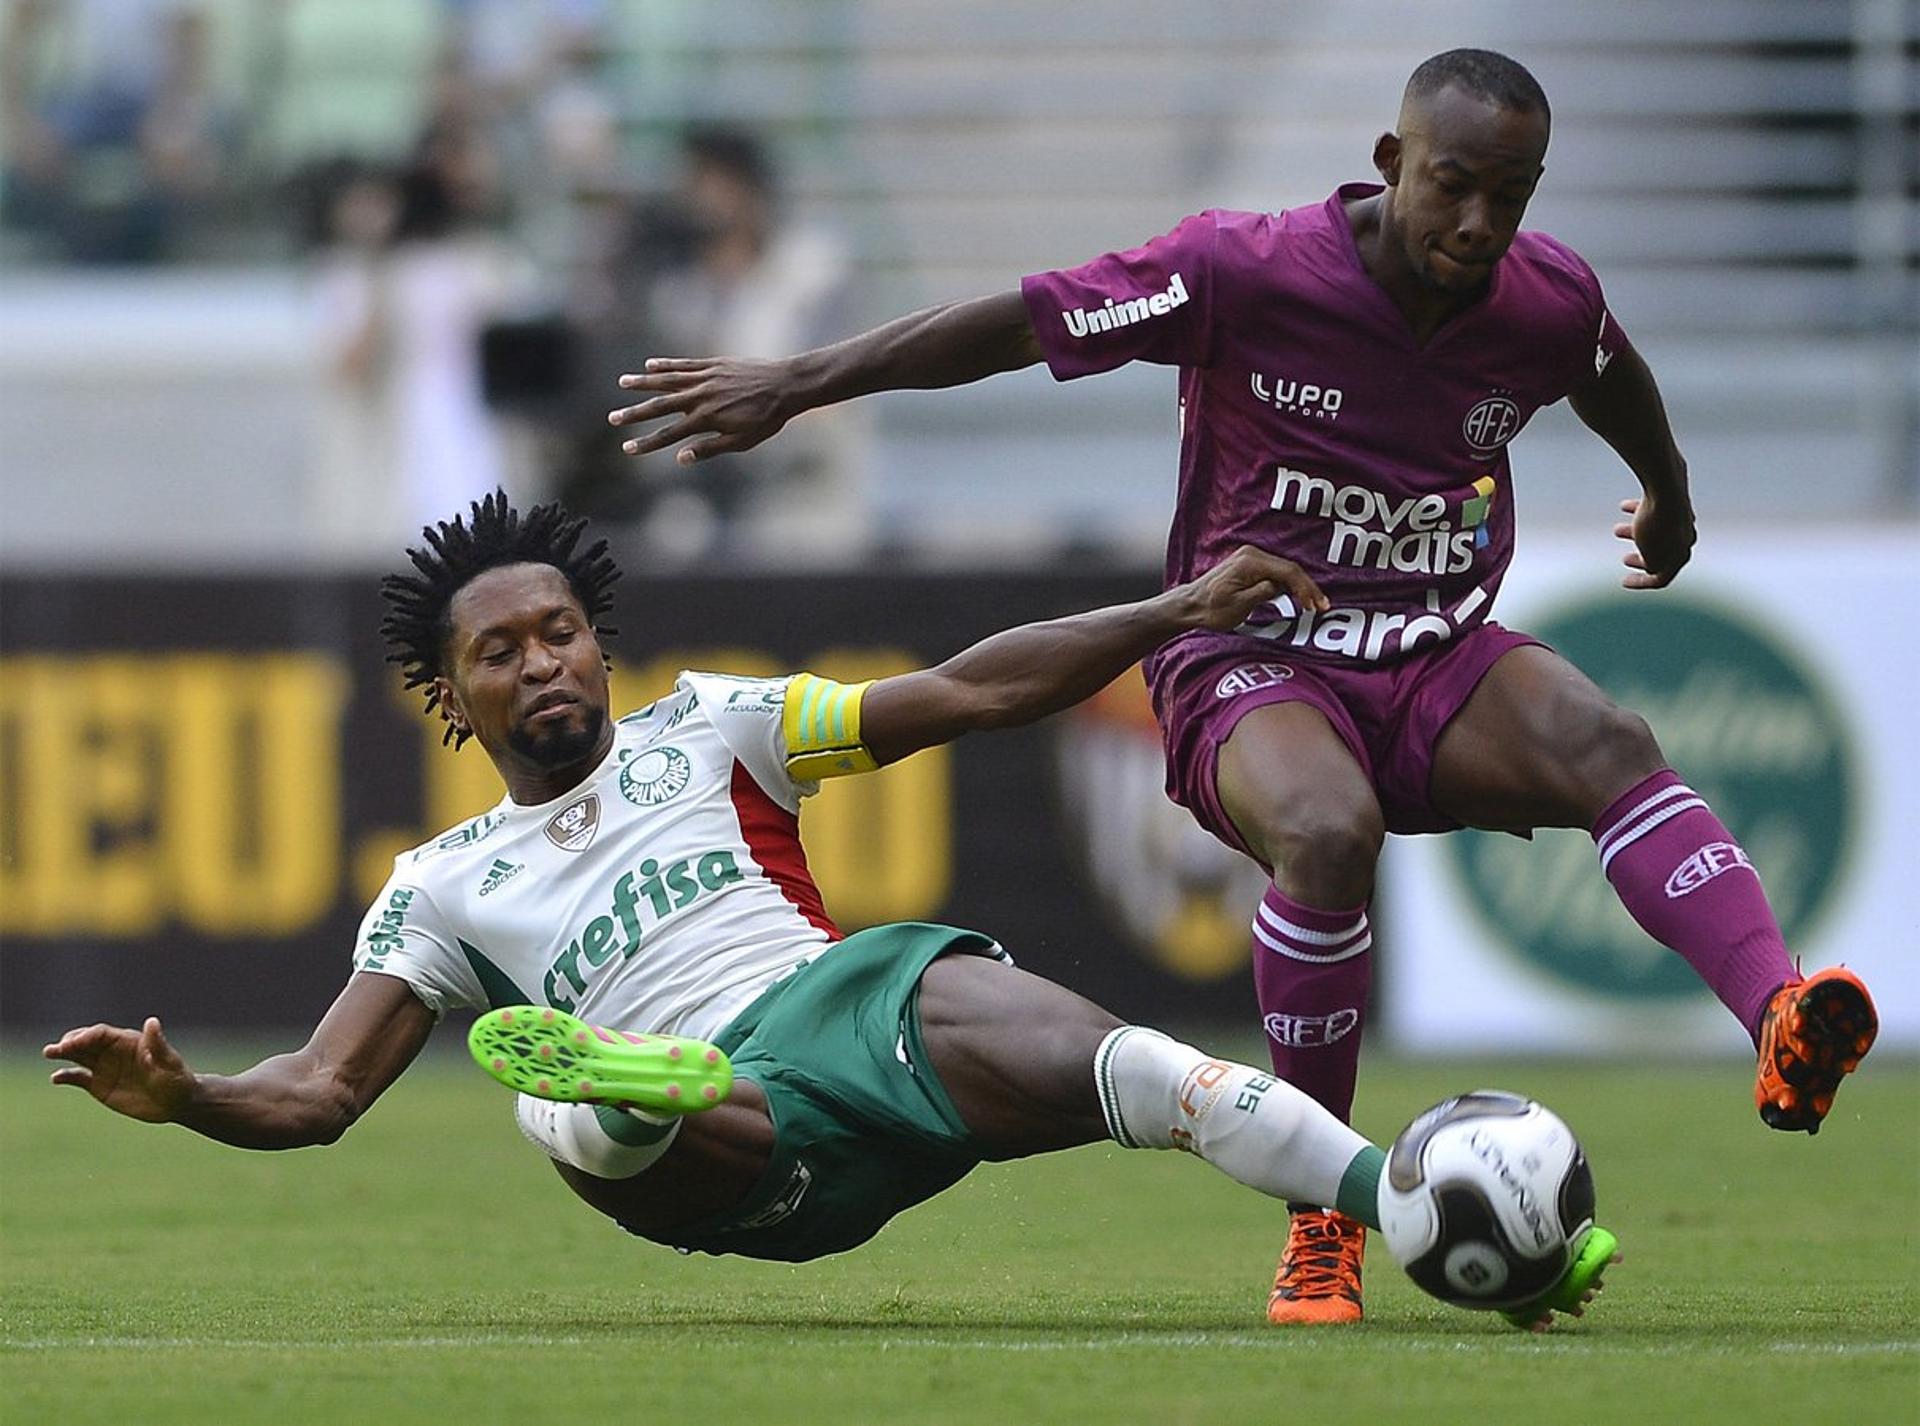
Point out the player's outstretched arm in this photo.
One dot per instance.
(1622, 406)
(1024, 674)
(721, 404)
(312, 1096)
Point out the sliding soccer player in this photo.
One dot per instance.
(706, 1058)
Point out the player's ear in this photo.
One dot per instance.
(450, 708)
(1386, 158)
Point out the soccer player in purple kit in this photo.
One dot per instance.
(1350, 376)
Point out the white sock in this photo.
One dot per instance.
(1157, 1093)
(575, 1134)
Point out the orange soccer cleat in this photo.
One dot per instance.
(1319, 1275)
(1812, 1033)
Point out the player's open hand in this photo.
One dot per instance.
(1662, 537)
(723, 404)
(1225, 595)
(133, 1072)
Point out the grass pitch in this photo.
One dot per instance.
(432, 1268)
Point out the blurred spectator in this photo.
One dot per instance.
(355, 500)
(111, 124)
(746, 282)
(404, 289)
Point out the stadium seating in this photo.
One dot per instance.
(1734, 168)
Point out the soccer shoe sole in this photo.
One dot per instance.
(1313, 1312)
(1578, 1285)
(553, 1055)
(1829, 1025)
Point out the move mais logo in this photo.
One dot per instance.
(1368, 528)
(1747, 726)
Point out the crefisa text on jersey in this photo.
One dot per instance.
(661, 890)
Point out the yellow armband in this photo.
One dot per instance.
(821, 720)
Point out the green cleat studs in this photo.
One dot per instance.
(554, 1055)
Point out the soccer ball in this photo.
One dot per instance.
(1485, 1198)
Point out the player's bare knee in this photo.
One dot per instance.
(1327, 849)
(1608, 749)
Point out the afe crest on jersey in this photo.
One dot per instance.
(572, 828)
(1491, 424)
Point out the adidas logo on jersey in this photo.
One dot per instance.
(1080, 322)
(500, 873)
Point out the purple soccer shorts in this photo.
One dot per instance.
(1390, 716)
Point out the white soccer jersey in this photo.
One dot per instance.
(662, 894)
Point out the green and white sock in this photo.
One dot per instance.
(1157, 1093)
(1359, 1195)
(595, 1138)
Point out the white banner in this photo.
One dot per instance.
(1779, 675)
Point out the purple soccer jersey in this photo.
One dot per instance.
(1314, 427)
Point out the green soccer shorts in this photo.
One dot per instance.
(863, 1128)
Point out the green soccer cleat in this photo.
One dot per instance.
(1578, 1285)
(553, 1055)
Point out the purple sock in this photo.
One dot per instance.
(1690, 886)
(1310, 972)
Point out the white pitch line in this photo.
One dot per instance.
(1263, 1342)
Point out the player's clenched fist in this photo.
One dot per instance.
(1662, 533)
(1225, 595)
(133, 1072)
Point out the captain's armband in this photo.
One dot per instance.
(821, 721)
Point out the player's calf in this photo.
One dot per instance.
(609, 1103)
(1257, 1129)
(1689, 884)
(1262, 1131)
(597, 1139)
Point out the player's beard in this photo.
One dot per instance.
(561, 746)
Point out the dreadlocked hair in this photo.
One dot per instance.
(417, 623)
